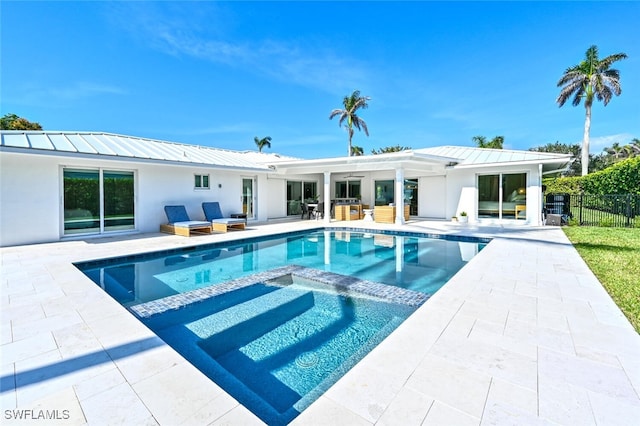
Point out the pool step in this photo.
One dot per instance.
(236, 326)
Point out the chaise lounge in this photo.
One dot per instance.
(181, 224)
(213, 214)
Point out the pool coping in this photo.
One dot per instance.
(530, 337)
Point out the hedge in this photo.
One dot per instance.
(621, 178)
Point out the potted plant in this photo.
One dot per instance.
(463, 218)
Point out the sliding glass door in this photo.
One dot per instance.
(299, 192)
(97, 201)
(502, 196)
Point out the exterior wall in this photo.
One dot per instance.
(432, 197)
(462, 193)
(30, 191)
(31, 208)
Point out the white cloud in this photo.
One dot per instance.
(37, 95)
(598, 143)
(175, 32)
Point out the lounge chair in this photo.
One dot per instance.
(181, 224)
(213, 214)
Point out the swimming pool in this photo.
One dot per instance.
(276, 321)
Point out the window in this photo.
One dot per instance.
(384, 192)
(348, 189)
(202, 181)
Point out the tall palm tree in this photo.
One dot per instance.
(351, 105)
(591, 78)
(261, 143)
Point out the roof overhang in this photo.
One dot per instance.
(135, 160)
(405, 160)
(550, 165)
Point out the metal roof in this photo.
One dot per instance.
(141, 149)
(129, 147)
(468, 156)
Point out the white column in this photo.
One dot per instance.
(399, 199)
(327, 197)
(540, 198)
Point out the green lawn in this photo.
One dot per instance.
(613, 254)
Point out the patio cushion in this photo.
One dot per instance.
(213, 213)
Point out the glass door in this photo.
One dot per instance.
(81, 201)
(118, 200)
(97, 201)
(294, 198)
(248, 197)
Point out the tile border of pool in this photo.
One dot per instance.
(178, 301)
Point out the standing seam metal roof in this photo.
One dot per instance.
(113, 145)
(477, 156)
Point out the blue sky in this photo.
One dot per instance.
(221, 73)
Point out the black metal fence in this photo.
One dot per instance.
(621, 210)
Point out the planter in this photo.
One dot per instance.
(463, 219)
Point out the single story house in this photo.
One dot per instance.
(57, 185)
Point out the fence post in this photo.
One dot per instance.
(580, 209)
(628, 210)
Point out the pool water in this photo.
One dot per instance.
(277, 321)
(416, 263)
(277, 346)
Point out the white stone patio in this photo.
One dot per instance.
(524, 334)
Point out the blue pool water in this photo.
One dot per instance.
(276, 321)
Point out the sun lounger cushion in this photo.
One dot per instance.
(181, 224)
(213, 213)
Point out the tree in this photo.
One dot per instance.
(261, 143)
(351, 105)
(593, 78)
(13, 122)
(596, 162)
(357, 150)
(635, 146)
(619, 152)
(388, 149)
(495, 143)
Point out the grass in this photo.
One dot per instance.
(613, 254)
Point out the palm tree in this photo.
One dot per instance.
(261, 143)
(495, 143)
(357, 150)
(591, 78)
(616, 152)
(351, 105)
(635, 145)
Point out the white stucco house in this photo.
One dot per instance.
(56, 185)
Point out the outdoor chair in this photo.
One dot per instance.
(213, 214)
(306, 211)
(181, 224)
(318, 211)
